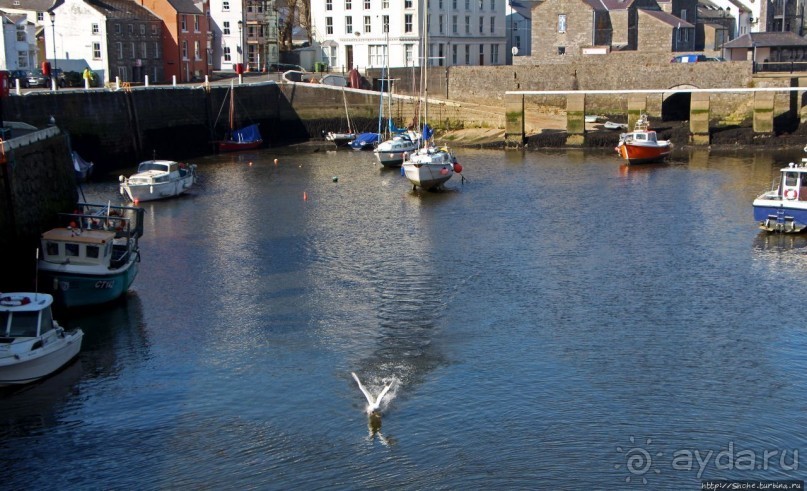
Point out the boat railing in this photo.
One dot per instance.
(125, 221)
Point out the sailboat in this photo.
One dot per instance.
(398, 142)
(429, 167)
(245, 138)
(342, 139)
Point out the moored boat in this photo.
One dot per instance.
(642, 146)
(94, 257)
(365, 141)
(784, 207)
(243, 138)
(391, 152)
(429, 167)
(32, 344)
(157, 179)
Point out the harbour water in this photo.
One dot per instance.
(556, 321)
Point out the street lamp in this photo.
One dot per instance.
(53, 32)
(240, 42)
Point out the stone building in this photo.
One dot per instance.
(565, 30)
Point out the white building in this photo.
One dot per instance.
(19, 43)
(38, 33)
(362, 33)
(243, 31)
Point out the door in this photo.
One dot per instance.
(349, 57)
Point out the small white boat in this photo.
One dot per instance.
(430, 167)
(32, 344)
(610, 125)
(391, 153)
(784, 207)
(594, 118)
(158, 179)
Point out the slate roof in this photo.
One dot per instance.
(766, 39)
(31, 5)
(186, 6)
(668, 19)
(117, 9)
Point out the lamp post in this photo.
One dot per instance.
(53, 32)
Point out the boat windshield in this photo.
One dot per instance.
(23, 324)
(146, 166)
(791, 178)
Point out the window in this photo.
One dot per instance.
(407, 4)
(195, 23)
(492, 5)
(467, 54)
(348, 25)
(22, 59)
(454, 54)
(197, 51)
(348, 4)
(683, 14)
(481, 5)
(21, 37)
(481, 25)
(453, 24)
(95, 29)
(440, 24)
(144, 50)
(227, 54)
(183, 22)
(409, 57)
(366, 4)
(467, 4)
(131, 28)
(184, 50)
(367, 24)
(561, 22)
(454, 4)
(225, 27)
(40, 16)
(328, 25)
(492, 25)
(481, 54)
(384, 4)
(156, 50)
(467, 24)
(154, 29)
(328, 4)
(561, 50)
(96, 51)
(134, 51)
(385, 23)
(378, 54)
(225, 6)
(117, 29)
(494, 54)
(440, 54)
(408, 23)
(142, 29)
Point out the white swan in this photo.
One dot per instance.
(372, 404)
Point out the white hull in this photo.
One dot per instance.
(392, 154)
(32, 365)
(148, 192)
(429, 168)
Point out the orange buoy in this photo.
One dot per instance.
(275, 161)
(457, 167)
(305, 196)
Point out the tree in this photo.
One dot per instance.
(291, 15)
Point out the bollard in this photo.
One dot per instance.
(17, 86)
(147, 81)
(174, 80)
(117, 83)
(86, 84)
(240, 78)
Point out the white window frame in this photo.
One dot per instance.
(562, 23)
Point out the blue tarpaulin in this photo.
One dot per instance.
(246, 134)
(427, 132)
(364, 140)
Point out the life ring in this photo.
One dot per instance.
(791, 194)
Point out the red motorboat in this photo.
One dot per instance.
(642, 146)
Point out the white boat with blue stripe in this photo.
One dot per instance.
(784, 208)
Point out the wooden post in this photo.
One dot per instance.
(699, 111)
(575, 119)
(514, 120)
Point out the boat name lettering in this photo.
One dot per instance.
(104, 284)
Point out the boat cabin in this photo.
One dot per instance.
(641, 137)
(21, 316)
(78, 246)
(793, 185)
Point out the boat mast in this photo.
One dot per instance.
(232, 107)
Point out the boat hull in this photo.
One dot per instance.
(72, 288)
(429, 168)
(341, 139)
(150, 192)
(23, 368)
(643, 154)
(235, 146)
(775, 214)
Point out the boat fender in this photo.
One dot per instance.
(457, 167)
(791, 194)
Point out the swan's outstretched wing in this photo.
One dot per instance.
(363, 390)
(381, 396)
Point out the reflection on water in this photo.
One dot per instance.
(552, 309)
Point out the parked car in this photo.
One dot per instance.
(692, 58)
(37, 79)
(284, 67)
(20, 75)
